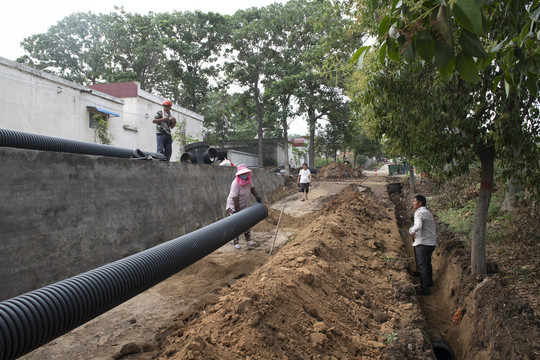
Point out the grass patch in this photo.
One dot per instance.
(459, 220)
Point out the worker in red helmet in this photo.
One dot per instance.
(165, 122)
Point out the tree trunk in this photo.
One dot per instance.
(260, 115)
(412, 186)
(478, 246)
(311, 158)
(286, 147)
(510, 198)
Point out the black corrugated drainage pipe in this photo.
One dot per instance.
(442, 349)
(25, 140)
(30, 320)
(199, 153)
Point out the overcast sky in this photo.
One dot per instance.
(19, 20)
(22, 19)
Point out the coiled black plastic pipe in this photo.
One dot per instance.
(30, 320)
(25, 140)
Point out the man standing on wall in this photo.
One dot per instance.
(165, 122)
(424, 243)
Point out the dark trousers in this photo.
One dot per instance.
(423, 265)
(164, 145)
(247, 234)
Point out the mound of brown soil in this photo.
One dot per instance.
(339, 290)
(270, 223)
(336, 170)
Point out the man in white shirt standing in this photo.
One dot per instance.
(424, 242)
(304, 178)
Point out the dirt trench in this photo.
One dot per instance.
(478, 317)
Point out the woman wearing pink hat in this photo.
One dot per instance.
(238, 199)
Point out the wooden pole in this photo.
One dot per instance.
(277, 227)
(260, 187)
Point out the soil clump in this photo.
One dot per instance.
(336, 170)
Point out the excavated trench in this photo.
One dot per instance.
(473, 317)
(436, 308)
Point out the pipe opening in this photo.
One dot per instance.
(442, 350)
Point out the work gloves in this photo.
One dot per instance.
(259, 200)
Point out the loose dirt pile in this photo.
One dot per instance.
(339, 290)
(336, 170)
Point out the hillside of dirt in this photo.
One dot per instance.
(338, 290)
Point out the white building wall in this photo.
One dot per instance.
(37, 102)
(240, 157)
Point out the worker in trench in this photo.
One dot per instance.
(424, 242)
(238, 199)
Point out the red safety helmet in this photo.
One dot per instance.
(167, 103)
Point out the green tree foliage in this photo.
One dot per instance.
(250, 57)
(229, 118)
(323, 40)
(196, 40)
(282, 61)
(137, 49)
(453, 94)
(76, 48)
(462, 37)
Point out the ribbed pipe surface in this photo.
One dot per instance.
(37, 317)
(25, 140)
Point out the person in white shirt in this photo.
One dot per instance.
(424, 242)
(304, 179)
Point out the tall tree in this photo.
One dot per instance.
(320, 39)
(76, 48)
(249, 54)
(138, 49)
(196, 40)
(480, 96)
(283, 76)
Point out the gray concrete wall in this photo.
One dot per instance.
(63, 214)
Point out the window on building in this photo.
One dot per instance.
(95, 114)
(94, 118)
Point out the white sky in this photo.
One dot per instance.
(20, 20)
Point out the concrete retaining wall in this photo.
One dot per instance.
(63, 214)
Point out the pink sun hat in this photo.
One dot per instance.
(242, 169)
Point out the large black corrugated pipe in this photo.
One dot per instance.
(25, 140)
(199, 153)
(442, 349)
(30, 320)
